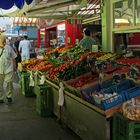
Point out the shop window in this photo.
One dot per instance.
(61, 35)
(126, 13)
(42, 38)
(137, 12)
(123, 13)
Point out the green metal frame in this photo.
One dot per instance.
(108, 29)
(107, 35)
(129, 29)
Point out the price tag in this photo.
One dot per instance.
(42, 80)
(32, 83)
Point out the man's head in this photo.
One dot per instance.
(1, 30)
(18, 38)
(26, 37)
(2, 40)
(86, 32)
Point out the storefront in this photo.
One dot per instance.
(59, 34)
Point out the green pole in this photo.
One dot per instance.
(106, 17)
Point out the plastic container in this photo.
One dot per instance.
(124, 85)
(124, 129)
(109, 102)
(107, 83)
(87, 93)
(120, 87)
(44, 100)
(25, 88)
(111, 89)
(132, 92)
(93, 88)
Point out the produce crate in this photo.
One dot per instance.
(93, 88)
(25, 88)
(104, 104)
(44, 100)
(120, 87)
(132, 92)
(89, 88)
(110, 102)
(87, 97)
(124, 85)
(124, 129)
(107, 83)
(87, 93)
(71, 89)
(116, 99)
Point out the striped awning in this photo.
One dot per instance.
(7, 4)
(24, 21)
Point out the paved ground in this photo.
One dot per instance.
(19, 121)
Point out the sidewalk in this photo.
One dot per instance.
(19, 121)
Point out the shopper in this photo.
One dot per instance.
(7, 67)
(16, 48)
(24, 48)
(87, 42)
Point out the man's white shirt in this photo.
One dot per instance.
(6, 59)
(24, 47)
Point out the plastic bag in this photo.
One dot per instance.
(42, 80)
(31, 83)
(16, 77)
(61, 94)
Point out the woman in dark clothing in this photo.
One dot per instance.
(16, 46)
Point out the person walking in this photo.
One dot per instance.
(16, 48)
(24, 48)
(7, 67)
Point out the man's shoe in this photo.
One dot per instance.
(9, 100)
(1, 101)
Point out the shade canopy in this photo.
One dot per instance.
(7, 4)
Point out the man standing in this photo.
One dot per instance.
(24, 48)
(87, 42)
(7, 67)
(16, 47)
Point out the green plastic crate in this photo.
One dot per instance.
(44, 100)
(125, 129)
(25, 88)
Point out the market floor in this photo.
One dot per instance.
(19, 121)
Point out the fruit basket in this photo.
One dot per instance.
(131, 109)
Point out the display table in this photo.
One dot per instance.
(85, 119)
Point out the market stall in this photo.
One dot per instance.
(92, 86)
(96, 96)
(58, 33)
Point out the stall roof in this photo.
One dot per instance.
(84, 11)
(70, 9)
(7, 4)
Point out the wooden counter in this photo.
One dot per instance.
(85, 119)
